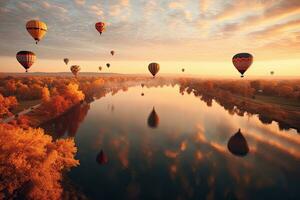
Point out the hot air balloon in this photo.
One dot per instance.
(75, 69)
(112, 53)
(153, 68)
(100, 68)
(100, 26)
(37, 29)
(153, 119)
(107, 65)
(242, 61)
(66, 60)
(26, 59)
(182, 69)
(102, 158)
(142, 84)
(272, 72)
(142, 94)
(238, 145)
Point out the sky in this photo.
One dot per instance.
(198, 35)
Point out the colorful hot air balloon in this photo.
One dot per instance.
(112, 53)
(75, 69)
(66, 60)
(100, 26)
(242, 61)
(238, 145)
(153, 119)
(26, 59)
(107, 65)
(37, 29)
(102, 158)
(100, 68)
(153, 68)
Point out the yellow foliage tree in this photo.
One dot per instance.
(31, 164)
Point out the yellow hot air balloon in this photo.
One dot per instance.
(37, 29)
(153, 68)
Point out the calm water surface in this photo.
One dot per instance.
(167, 146)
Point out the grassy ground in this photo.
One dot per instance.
(286, 103)
(23, 105)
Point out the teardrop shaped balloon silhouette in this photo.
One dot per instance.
(238, 145)
(153, 119)
(102, 158)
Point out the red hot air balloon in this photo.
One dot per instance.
(26, 59)
(102, 158)
(242, 61)
(100, 26)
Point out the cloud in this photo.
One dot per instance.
(97, 10)
(175, 5)
(79, 2)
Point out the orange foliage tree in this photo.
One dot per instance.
(31, 164)
(6, 104)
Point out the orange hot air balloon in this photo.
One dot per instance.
(100, 26)
(242, 61)
(75, 69)
(112, 53)
(26, 59)
(102, 158)
(153, 68)
(238, 145)
(37, 29)
(153, 119)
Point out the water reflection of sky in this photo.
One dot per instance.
(186, 155)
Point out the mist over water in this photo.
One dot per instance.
(165, 145)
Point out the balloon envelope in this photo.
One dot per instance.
(26, 59)
(153, 119)
(37, 29)
(102, 158)
(112, 53)
(100, 68)
(242, 61)
(153, 68)
(100, 26)
(238, 145)
(107, 65)
(66, 60)
(75, 69)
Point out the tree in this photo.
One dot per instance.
(45, 94)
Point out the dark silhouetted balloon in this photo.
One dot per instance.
(26, 59)
(66, 60)
(238, 145)
(102, 158)
(242, 61)
(142, 85)
(112, 53)
(272, 72)
(100, 26)
(182, 69)
(142, 94)
(107, 65)
(100, 68)
(153, 119)
(153, 68)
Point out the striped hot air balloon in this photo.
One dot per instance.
(37, 29)
(153, 68)
(100, 26)
(26, 59)
(75, 69)
(242, 61)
